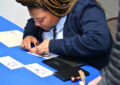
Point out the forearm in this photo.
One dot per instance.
(80, 46)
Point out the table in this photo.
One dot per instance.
(22, 76)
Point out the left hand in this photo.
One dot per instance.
(43, 47)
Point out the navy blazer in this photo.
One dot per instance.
(85, 32)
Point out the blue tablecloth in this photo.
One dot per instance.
(22, 76)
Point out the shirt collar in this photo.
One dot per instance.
(60, 24)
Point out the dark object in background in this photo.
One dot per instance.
(111, 73)
(66, 74)
(66, 67)
(60, 63)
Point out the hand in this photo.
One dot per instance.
(43, 47)
(26, 43)
(33, 50)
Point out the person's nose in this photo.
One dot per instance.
(37, 23)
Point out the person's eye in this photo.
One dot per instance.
(40, 20)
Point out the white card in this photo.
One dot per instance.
(0, 59)
(11, 38)
(46, 55)
(39, 70)
(81, 83)
(10, 62)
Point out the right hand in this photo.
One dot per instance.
(26, 43)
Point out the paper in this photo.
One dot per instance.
(39, 70)
(10, 62)
(81, 83)
(46, 55)
(11, 38)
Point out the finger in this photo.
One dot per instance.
(28, 45)
(39, 48)
(33, 50)
(25, 45)
(22, 45)
(41, 51)
(34, 41)
(37, 44)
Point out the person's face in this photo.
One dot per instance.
(43, 19)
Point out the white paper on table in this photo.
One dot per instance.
(39, 70)
(11, 38)
(46, 55)
(10, 62)
(81, 83)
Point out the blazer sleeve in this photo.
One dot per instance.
(95, 38)
(32, 30)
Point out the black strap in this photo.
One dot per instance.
(54, 33)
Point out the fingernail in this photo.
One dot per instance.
(36, 51)
(30, 50)
(37, 43)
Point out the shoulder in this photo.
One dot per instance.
(31, 20)
(83, 8)
(82, 5)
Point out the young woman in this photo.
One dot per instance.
(72, 28)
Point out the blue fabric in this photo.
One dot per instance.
(85, 32)
(4, 25)
(59, 30)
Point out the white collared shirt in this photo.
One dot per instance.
(59, 30)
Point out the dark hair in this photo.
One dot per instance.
(38, 6)
(57, 7)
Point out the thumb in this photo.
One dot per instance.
(34, 41)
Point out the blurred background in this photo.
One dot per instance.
(18, 14)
